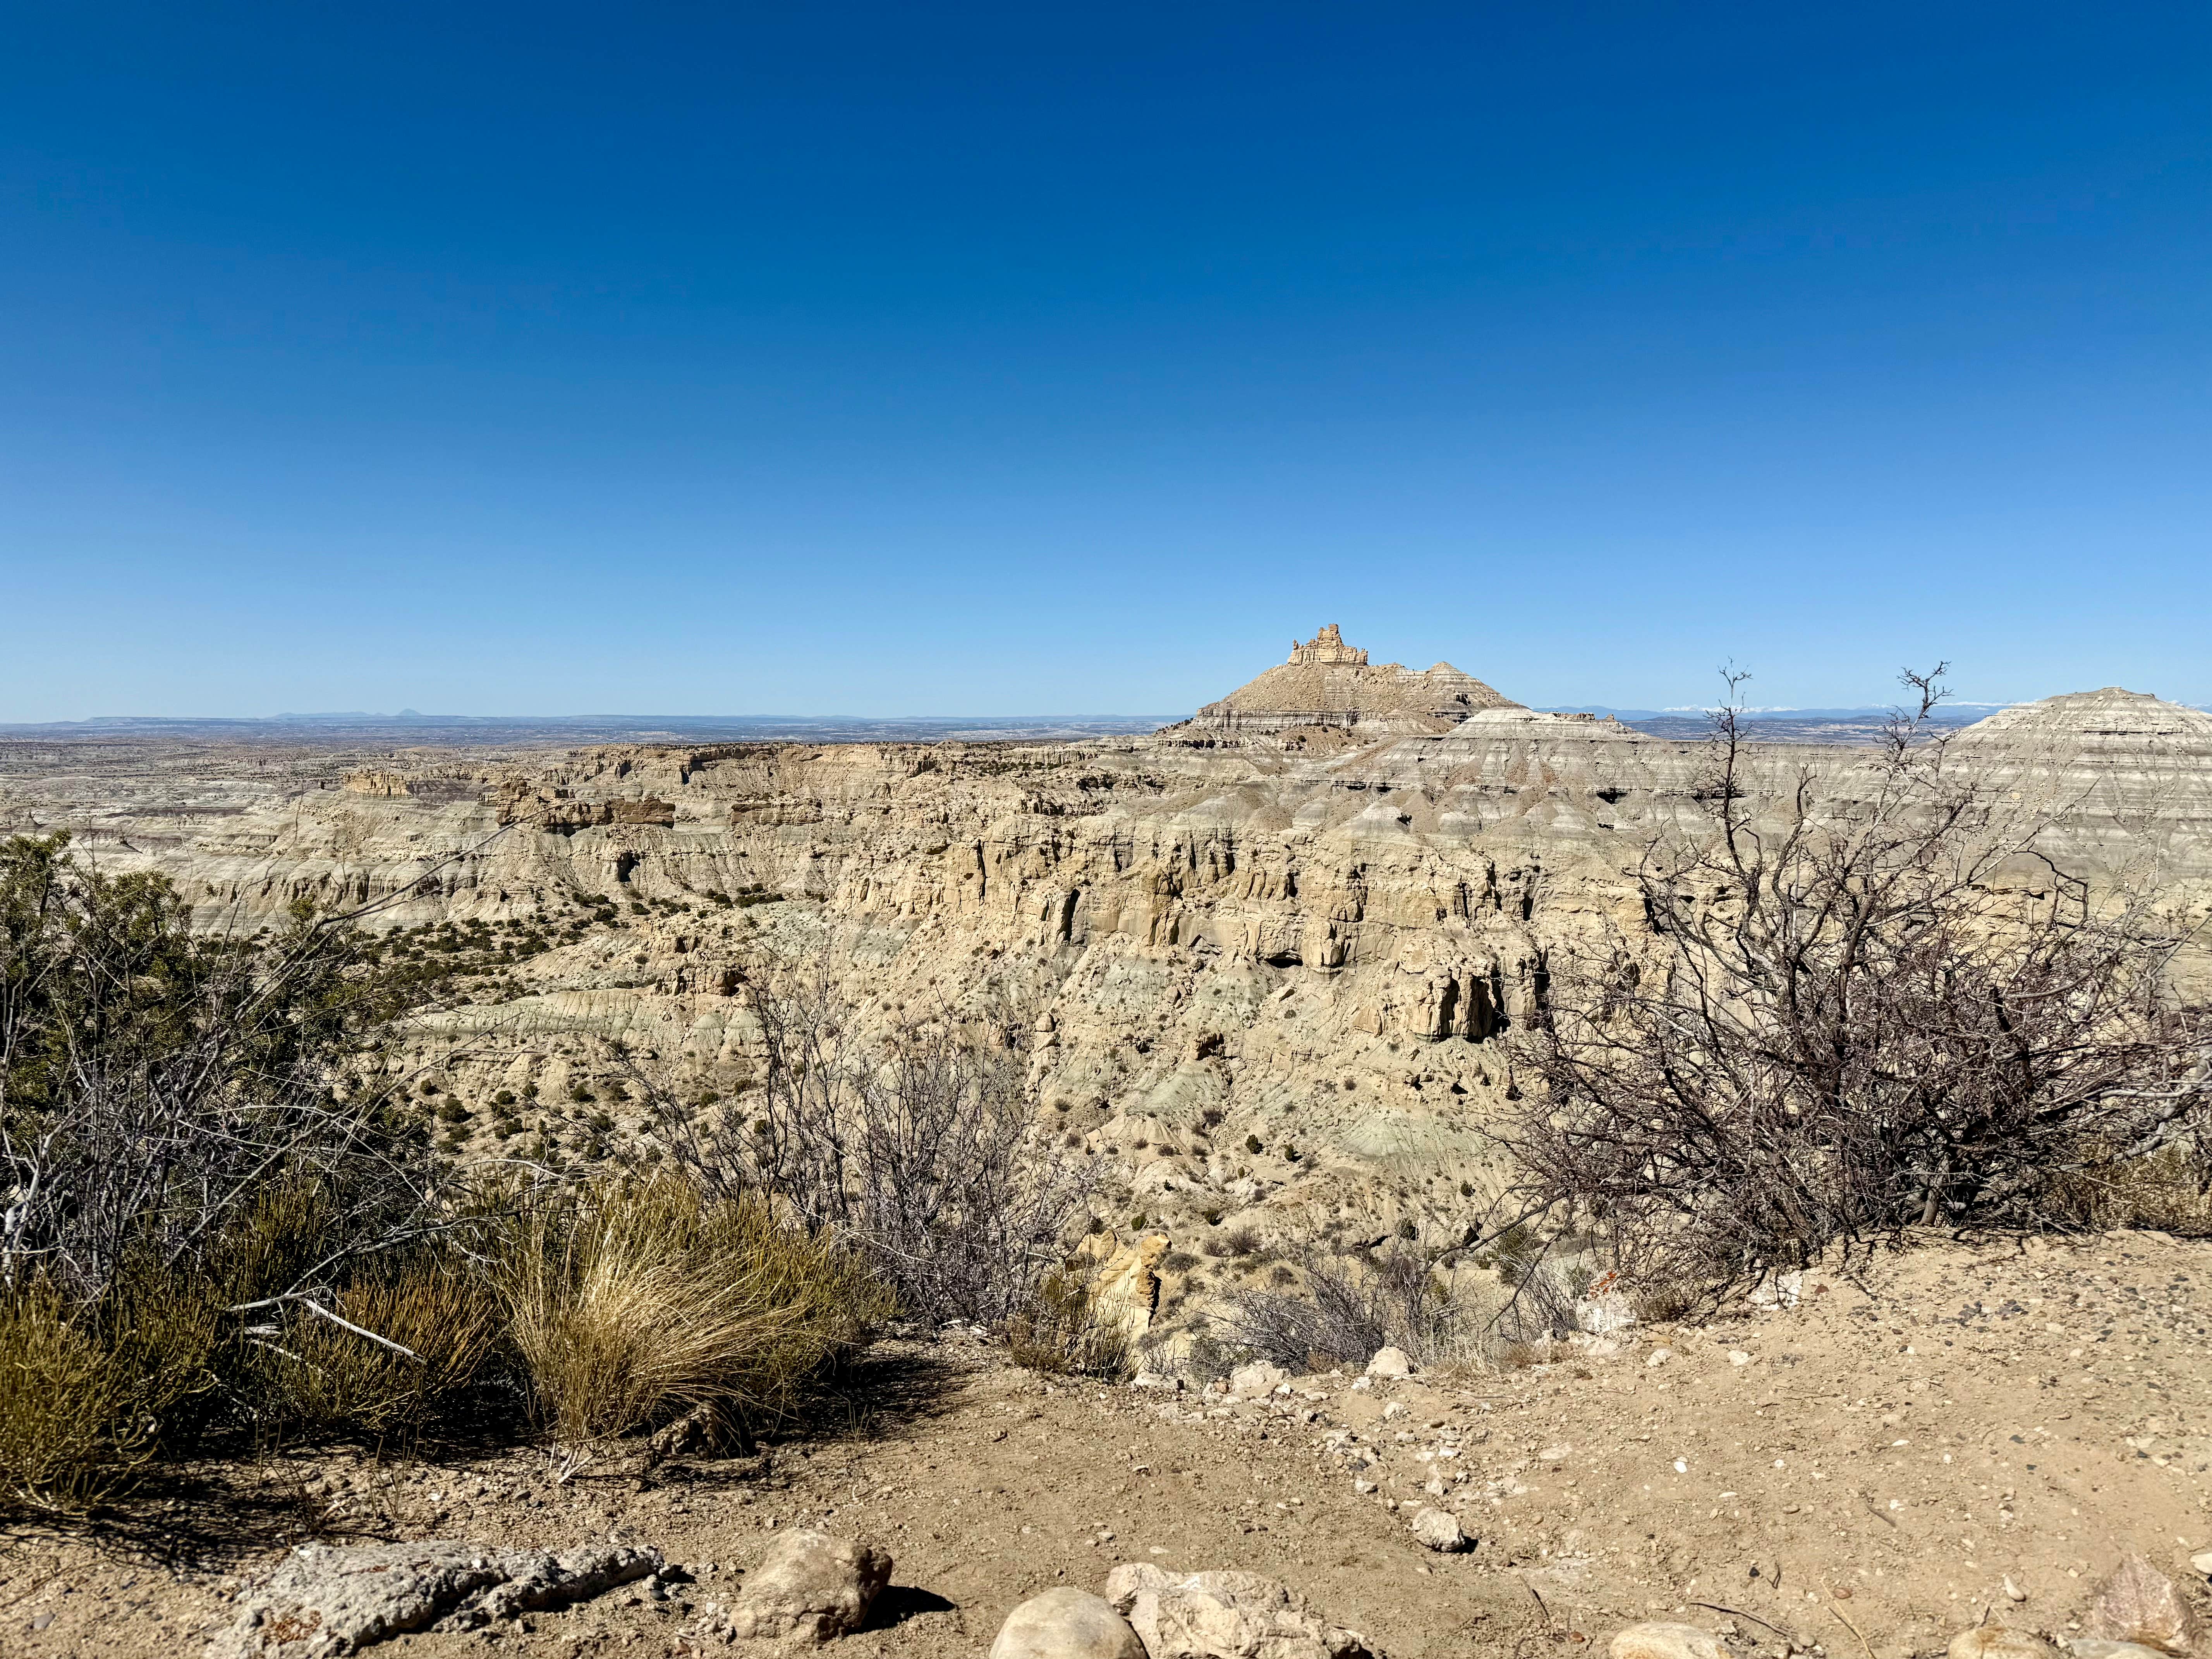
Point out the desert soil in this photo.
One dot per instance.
(1859, 1473)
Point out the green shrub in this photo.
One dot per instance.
(85, 1400)
(328, 1379)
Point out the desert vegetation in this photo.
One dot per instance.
(1842, 1024)
(227, 1223)
(922, 1148)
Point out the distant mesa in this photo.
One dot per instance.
(2110, 719)
(1327, 682)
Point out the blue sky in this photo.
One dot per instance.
(969, 359)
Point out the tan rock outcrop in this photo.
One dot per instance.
(1328, 684)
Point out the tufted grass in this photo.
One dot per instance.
(634, 1302)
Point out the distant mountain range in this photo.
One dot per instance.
(408, 726)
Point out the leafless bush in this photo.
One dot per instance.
(1344, 1308)
(154, 1082)
(1845, 1022)
(923, 1148)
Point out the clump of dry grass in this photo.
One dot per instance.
(1062, 1332)
(634, 1302)
(327, 1378)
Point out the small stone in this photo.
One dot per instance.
(1066, 1624)
(2139, 1603)
(1390, 1362)
(1363, 1488)
(1660, 1357)
(811, 1586)
(1440, 1530)
(2202, 1562)
(1663, 1641)
(1738, 1356)
(2013, 1592)
(1395, 1409)
(2000, 1642)
(2091, 1647)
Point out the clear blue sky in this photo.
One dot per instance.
(971, 359)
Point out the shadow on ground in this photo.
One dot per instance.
(203, 1517)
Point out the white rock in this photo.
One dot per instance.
(1257, 1378)
(2000, 1642)
(333, 1600)
(2202, 1562)
(1738, 1356)
(1440, 1530)
(1225, 1615)
(811, 1588)
(1660, 1641)
(1066, 1624)
(1660, 1357)
(2091, 1647)
(1389, 1362)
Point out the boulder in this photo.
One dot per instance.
(1661, 1641)
(1440, 1530)
(1225, 1615)
(2093, 1647)
(1390, 1362)
(324, 1601)
(1256, 1378)
(1066, 1624)
(811, 1588)
(2138, 1603)
(1126, 1292)
(2000, 1642)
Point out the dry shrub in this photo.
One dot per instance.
(924, 1148)
(2167, 1191)
(1345, 1307)
(325, 1377)
(1849, 1016)
(634, 1302)
(1061, 1331)
(83, 1403)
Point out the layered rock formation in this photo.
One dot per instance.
(1253, 976)
(2126, 779)
(1329, 684)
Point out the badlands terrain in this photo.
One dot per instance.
(1260, 965)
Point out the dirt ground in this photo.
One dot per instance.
(1859, 1473)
